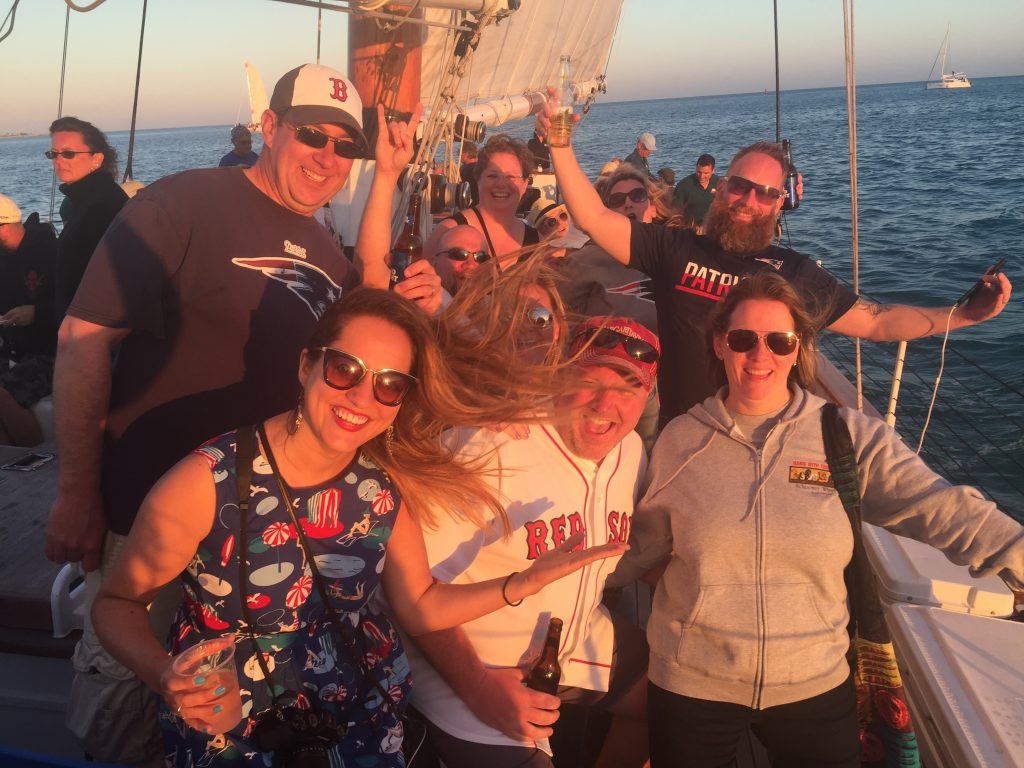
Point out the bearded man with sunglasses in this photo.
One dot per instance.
(207, 285)
(692, 272)
(579, 471)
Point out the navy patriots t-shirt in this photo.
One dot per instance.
(221, 288)
(689, 274)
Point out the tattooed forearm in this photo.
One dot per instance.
(875, 309)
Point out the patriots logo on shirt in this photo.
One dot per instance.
(776, 264)
(307, 281)
(638, 289)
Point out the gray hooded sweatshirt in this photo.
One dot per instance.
(752, 606)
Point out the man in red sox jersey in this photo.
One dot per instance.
(578, 472)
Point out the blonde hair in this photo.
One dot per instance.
(470, 371)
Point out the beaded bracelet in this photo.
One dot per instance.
(504, 586)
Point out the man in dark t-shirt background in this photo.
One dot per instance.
(208, 284)
(693, 195)
(241, 154)
(692, 271)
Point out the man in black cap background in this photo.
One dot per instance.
(242, 154)
(207, 284)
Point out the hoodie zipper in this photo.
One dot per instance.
(762, 621)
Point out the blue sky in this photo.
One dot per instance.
(192, 67)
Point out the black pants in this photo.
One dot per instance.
(695, 733)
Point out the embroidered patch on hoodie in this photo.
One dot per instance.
(810, 473)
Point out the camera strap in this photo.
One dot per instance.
(244, 457)
(344, 630)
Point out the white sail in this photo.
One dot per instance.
(257, 97)
(518, 58)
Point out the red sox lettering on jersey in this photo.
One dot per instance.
(542, 535)
(707, 282)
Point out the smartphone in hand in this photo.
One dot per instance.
(993, 270)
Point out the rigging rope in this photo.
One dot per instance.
(778, 90)
(851, 122)
(84, 9)
(135, 102)
(319, 29)
(60, 101)
(9, 18)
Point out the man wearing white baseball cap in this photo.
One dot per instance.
(645, 146)
(208, 283)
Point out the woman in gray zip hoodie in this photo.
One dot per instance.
(749, 623)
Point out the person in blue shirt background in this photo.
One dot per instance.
(242, 153)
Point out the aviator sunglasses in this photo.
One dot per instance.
(618, 199)
(67, 154)
(606, 338)
(344, 371)
(739, 186)
(311, 137)
(461, 254)
(779, 343)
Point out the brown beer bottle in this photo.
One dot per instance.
(547, 673)
(409, 245)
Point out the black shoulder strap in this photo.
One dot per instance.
(866, 617)
(245, 454)
(483, 228)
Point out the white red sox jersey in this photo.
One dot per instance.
(549, 495)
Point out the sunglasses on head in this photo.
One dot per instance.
(67, 154)
(618, 199)
(606, 338)
(344, 371)
(739, 186)
(540, 316)
(780, 343)
(311, 137)
(461, 254)
(552, 222)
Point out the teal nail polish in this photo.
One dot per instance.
(198, 679)
(217, 709)
(219, 691)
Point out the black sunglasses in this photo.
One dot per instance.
(606, 338)
(780, 343)
(618, 199)
(741, 187)
(461, 254)
(67, 154)
(311, 137)
(344, 371)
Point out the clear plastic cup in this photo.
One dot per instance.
(212, 662)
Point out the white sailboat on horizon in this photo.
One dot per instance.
(951, 79)
(257, 97)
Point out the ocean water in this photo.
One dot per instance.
(941, 197)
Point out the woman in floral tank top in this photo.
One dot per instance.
(361, 462)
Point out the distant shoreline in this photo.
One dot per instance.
(18, 135)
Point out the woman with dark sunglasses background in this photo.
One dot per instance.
(749, 541)
(86, 165)
(349, 474)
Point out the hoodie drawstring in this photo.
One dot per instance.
(770, 471)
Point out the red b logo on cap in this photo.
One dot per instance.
(340, 89)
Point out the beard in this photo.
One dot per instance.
(738, 236)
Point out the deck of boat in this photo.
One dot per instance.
(35, 672)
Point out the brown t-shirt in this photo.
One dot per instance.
(221, 287)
